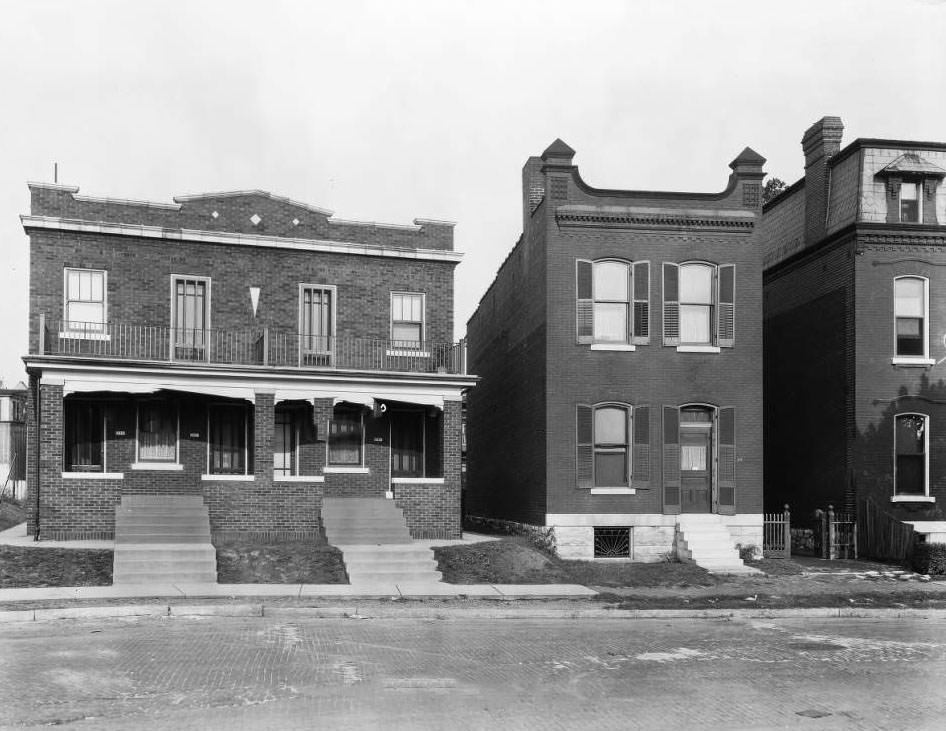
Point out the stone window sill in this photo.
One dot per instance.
(346, 470)
(298, 478)
(622, 347)
(912, 499)
(417, 480)
(698, 349)
(915, 362)
(613, 491)
(93, 475)
(227, 478)
(161, 466)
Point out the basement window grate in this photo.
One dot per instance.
(612, 542)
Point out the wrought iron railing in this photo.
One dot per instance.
(252, 347)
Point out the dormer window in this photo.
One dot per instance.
(911, 202)
(910, 184)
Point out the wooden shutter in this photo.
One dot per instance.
(640, 333)
(726, 305)
(585, 452)
(584, 302)
(640, 455)
(671, 461)
(726, 470)
(671, 304)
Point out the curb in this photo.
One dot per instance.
(355, 612)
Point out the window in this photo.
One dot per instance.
(699, 305)
(85, 297)
(316, 318)
(346, 436)
(84, 436)
(228, 429)
(613, 302)
(603, 445)
(612, 542)
(190, 316)
(910, 202)
(910, 306)
(157, 432)
(407, 319)
(910, 448)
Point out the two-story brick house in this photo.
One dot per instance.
(620, 350)
(855, 320)
(242, 348)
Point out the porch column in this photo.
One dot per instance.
(264, 419)
(48, 432)
(451, 465)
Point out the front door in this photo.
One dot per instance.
(696, 467)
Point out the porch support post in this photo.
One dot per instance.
(264, 418)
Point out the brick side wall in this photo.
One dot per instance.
(32, 454)
(843, 193)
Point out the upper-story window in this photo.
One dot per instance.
(407, 319)
(699, 305)
(911, 202)
(911, 459)
(190, 316)
(316, 319)
(910, 317)
(85, 300)
(612, 303)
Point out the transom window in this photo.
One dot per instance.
(911, 202)
(910, 316)
(910, 449)
(697, 321)
(85, 295)
(346, 436)
(407, 319)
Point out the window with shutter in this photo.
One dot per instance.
(640, 457)
(727, 461)
(671, 459)
(584, 303)
(671, 298)
(726, 310)
(584, 432)
(641, 326)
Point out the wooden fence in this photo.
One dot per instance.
(777, 535)
(882, 536)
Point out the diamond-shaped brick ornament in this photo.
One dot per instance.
(295, 222)
(215, 215)
(255, 219)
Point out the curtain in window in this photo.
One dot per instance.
(910, 309)
(85, 300)
(345, 436)
(84, 435)
(316, 320)
(696, 303)
(610, 435)
(190, 312)
(407, 319)
(611, 293)
(157, 432)
(227, 437)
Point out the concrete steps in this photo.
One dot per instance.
(703, 539)
(163, 539)
(375, 542)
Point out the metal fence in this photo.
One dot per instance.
(836, 535)
(254, 347)
(777, 534)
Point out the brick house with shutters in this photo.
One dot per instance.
(244, 349)
(855, 327)
(619, 349)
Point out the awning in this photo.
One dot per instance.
(136, 387)
(364, 398)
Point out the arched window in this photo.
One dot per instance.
(699, 305)
(604, 445)
(911, 437)
(613, 303)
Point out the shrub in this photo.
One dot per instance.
(929, 558)
(749, 551)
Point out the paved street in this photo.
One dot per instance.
(196, 673)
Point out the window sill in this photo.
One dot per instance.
(346, 470)
(417, 480)
(81, 335)
(613, 491)
(159, 466)
(916, 361)
(913, 499)
(622, 347)
(407, 353)
(93, 475)
(298, 478)
(698, 349)
(227, 478)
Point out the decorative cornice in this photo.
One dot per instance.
(644, 217)
(55, 223)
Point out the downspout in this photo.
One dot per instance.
(37, 401)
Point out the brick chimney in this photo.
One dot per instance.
(820, 143)
(533, 188)
(546, 177)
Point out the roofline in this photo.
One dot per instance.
(866, 142)
(56, 223)
(658, 194)
(264, 193)
(794, 187)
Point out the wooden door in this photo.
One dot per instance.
(696, 469)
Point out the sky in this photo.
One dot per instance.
(390, 111)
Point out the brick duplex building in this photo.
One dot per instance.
(855, 320)
(620, 351)
(243, 348)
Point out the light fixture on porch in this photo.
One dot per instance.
(254, 298)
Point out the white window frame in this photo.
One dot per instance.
(397, 346)
(628, 450)
(207, 306)
(913, 360)
(94, 332)
(345, 466)
(334, 292)
(918, 187)
(156, 465)
(907, 497)
(247, 475)
(628, 305)
(104, 470)
(713, 345)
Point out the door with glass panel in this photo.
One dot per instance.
(696, 459)
(190, 318)
(285, 443)
(316, 325)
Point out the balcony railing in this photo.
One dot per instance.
(253, 347)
